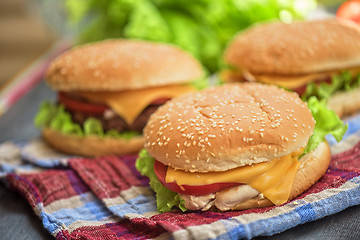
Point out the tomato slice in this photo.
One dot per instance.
(80, 106)
(160, 101)
(160, 171)
(302, 89)
(92, 108)
(349, 10)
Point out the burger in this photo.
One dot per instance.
(236, 146)
(107, 91)
(314, 58)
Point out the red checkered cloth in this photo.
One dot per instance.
(106, 198)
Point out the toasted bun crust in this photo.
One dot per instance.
(91, 145)
(312, 167)
(296, 48)
(225, 127)
(116, 65)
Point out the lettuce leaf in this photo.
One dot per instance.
(327, 122)
(344, 81)
(165, 198)
(55, 116)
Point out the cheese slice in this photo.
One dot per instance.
(294, 81)
(273, 179)
(129, 104)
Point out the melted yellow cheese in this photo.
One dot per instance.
(290, 81)
(273, 179)
(129, 104)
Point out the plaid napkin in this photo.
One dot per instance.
(106, 198)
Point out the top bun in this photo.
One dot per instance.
(225, 127)
(116, 65)
(296, 48)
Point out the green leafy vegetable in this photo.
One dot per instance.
(200, 84)
(56, 117)
(165, 198)
(327, 122)
(344, 81)
(202, 27)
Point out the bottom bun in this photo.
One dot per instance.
(312, 167)
(345, 103)
(91, 145)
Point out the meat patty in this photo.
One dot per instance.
(116, 122)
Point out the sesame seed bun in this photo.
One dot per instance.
(229, 126)
(91, 145)
(116, 65)
(298, 48)
(312, 167)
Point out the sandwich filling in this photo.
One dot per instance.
(129, 104)
(118, 114)
(322, 85)
(273, 179)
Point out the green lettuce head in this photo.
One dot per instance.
(202, 27)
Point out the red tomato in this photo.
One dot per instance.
(81, 106)
(92, 108)
(160, 171)
(160, 101)
(300, 90)
(349, 10)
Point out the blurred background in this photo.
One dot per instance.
(34, 31)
